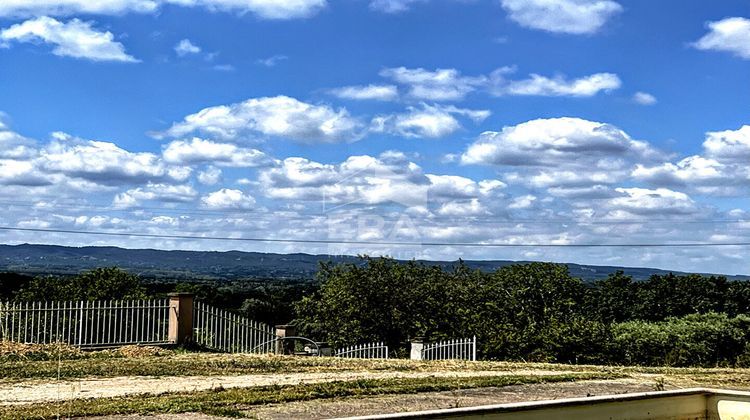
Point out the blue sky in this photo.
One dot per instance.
(496, 122)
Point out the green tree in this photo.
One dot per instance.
(99, 284)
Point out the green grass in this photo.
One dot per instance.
(232, 402)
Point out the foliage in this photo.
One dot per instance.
(97, 284)
(694, 340)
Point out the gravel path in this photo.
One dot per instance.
(40, 391)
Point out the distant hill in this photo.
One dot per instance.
(52, 259)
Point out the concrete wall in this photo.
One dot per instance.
(689, 404)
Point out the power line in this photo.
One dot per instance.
(388, 243)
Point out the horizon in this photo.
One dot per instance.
(458, 129)
(386, 256)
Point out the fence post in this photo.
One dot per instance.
(417, 345)
(181, 318)
(285, 346)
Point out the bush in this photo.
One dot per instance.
(712, 339)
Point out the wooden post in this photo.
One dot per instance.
(285, 346)
(181, 318)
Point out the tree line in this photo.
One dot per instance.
(531, 312)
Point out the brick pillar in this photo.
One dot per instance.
(285, 346)
(181, 318)
(417, 345)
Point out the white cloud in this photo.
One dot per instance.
(27, 8)
(210, 176)
(537, 85)
(729, 35)
(14, 145)
(722, 170)
(185, 47)
(471, 207)
(644, 98)
(729, 145)
(522, 202)
(438, 85)
(279, 116)
(226, 199)
(393, 6)
(358, 180)
(155, 192)
(267, 9)
(104, 162)
(642, 201)
(272, 61)
(369, 92)
(197, 151)
(75, 38)
(557, 141)
(429, 121)
(691, 170)
(562, 16)
(457, 187)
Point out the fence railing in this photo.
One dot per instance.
(86, 323)
(460, 349)
(224, 331)
(364, 351)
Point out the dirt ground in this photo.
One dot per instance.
(41, 391)
(345, 407)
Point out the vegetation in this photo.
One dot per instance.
(526, 312)
(231, 402)
(535, 312)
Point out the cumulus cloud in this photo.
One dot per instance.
(155, 192)
(464, 208)
(438, 85)
(557, 141)
(562, 16)
(730, 145)
(721, 170)
(74, 38)
(643, 98)
(456, 187)
(197, 151)
(185, 47)
(228, 199)
(537, 85)
(14, 145)
(266, 9)
(369, 92)
(279, 116)
(643, 201)
(728, 35)
(104, 162)
(363, 179)
(429, 121)
(210, 176)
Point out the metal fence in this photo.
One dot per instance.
(461, 349)
(86, 323)
(224, 331)
(364, 351)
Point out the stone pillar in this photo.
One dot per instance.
(181, 318)
(285, 346)
(417, 345)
